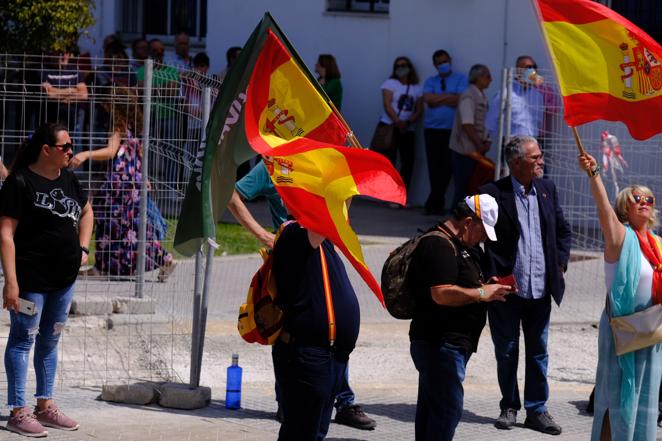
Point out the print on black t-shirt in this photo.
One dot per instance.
(48, 211)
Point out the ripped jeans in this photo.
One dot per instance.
(43, 329)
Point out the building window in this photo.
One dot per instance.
(370, 6)
(163, 18)
(647, 14)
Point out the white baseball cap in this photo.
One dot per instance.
(486, 209)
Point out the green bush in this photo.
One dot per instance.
(43, 26)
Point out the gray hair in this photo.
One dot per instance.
(514, 149)
(477, 71)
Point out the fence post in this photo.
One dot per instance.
(142, 228)
(198, 331)
(194, 376)
(500, 134)
(204, 301)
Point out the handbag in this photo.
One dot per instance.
(382, 139)
(636, 331)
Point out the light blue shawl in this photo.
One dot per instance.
(622, 294)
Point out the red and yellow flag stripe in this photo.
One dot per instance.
(607, 67)
(301, 139)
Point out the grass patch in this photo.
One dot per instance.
(231, 238)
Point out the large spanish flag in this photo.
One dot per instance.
(225, 145)
(302, 139)
(607, 67)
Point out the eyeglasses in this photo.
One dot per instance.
(64, 147)
(537, 157)
(402, 65)
(648, 200)
(530, 66)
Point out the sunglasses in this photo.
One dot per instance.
(530, 66)
(648, 200)
(64, 147)
(402, 65)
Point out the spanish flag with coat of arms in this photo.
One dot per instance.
(272, 105)
(607, 67)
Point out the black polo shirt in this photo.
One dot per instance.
(434, 263)
(298, 271)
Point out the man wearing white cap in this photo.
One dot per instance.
(534, 247)
(449, 314)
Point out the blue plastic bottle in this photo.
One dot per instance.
(233, 386)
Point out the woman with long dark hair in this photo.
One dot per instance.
(403, 105)
(45, 230)
(328, 76)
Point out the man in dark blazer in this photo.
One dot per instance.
(534, 246)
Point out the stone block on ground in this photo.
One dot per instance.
(183, 396)
(91, 305)
(137, 393)
(134, 305)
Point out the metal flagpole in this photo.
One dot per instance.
(142, 229)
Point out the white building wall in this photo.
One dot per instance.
(491, 32)
(473, 31)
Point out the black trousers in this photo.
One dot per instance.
(404, 145)
(439, 168)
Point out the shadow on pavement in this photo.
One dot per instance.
(216, 409)
(581, 407)
(405, 412)
(472, 418)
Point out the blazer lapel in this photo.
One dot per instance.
(544, 204)
(507, 202)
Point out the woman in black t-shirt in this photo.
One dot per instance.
(45, 229)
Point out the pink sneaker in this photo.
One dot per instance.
(25, 423)
(53, 417)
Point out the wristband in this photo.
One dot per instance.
(481, 294)
(86, 250)
(595, 171)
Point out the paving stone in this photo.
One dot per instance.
(183, 396)
(136, 393)
(134, 305)
(91, 305)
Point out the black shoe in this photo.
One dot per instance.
(354, 416)
(506, 419)
(542, 422)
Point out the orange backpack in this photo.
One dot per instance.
(260, 319)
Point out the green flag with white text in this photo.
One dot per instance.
(225, 147)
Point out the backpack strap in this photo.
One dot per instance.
(330, 312)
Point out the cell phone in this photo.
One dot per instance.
(508, 280)
(26, 307)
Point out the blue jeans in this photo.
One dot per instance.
(308, 378)
(345, 397)
(441, 368)
(43, 329)
(505, 318)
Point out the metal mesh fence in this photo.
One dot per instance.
(131, 324)
(625, 161)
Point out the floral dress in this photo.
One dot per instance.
(117, 216)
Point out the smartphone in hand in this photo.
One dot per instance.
(508, 280)
(26, 307)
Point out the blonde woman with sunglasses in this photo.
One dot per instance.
(627, 386)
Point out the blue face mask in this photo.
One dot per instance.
(444, 68)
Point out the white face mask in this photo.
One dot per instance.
(402, 72)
